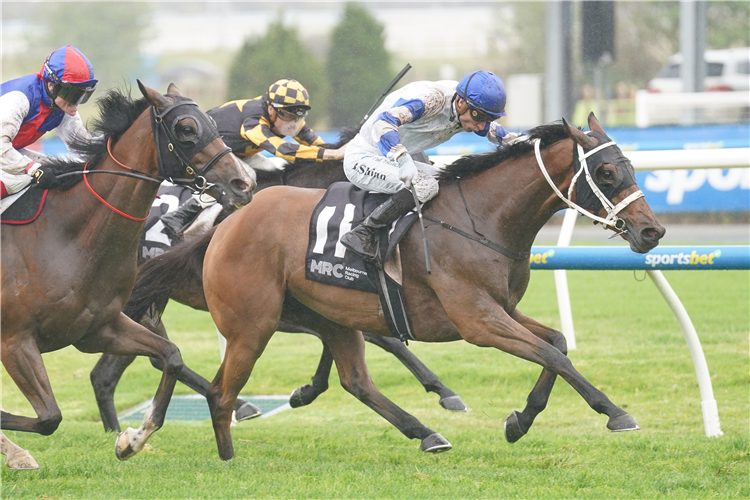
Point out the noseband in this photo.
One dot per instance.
(612, 220)
(168, 145)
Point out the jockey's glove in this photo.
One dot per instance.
(514, 137)
(46, 178)
(407, 170)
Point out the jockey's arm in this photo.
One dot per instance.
(72, 130)
(496, 133)
(15, 106)
(307, 137)
(385, 129)
(262, 135)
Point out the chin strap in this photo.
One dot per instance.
(611, 221)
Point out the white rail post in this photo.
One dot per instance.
(561, 281)
(708, 403)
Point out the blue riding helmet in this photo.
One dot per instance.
(484, 92)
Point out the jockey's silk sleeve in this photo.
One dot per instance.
(15, 106)
(246, 128)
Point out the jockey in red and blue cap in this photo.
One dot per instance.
(35, 104)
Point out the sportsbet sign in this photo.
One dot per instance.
(662, 257)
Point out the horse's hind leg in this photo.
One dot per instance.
(348, 349)
(16, 457)
(306, 394)
(124, 336)
(104, 379)
(518, 424)
(431, 382)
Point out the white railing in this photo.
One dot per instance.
(690, 108)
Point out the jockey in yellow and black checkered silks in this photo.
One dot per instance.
(290, 101)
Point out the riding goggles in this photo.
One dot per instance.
(291, 115)
(75, 94)
(71, 92)
(480, 116)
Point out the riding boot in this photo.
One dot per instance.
(178, 221)
(363, 240)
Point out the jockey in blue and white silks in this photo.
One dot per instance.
(413, 119)
(35, 104)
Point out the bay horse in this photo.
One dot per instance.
(66, 277)
(481, 228)
(146, 306)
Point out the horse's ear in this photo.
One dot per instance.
(578, 136)
(153, 97)
(595, 125)
(172, 89)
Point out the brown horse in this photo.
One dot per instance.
(147, 304)
(481, 228)
(66, 277)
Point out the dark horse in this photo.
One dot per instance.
(481, 228)
(66, 277)
(147, 309)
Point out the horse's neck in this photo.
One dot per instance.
(514, 200)
(129, 196)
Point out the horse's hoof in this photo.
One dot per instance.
(623, 423)
(247, 411)
(303, 396)
(453, 403)
(21, 461)
(513, 429)
(123, 449)
(435, 443)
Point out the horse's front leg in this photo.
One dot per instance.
(23, 362)
(483, 322)
(431, 382)
(16, 457)
(126, 337)
(518, 424)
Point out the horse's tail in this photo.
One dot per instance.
(161, 275)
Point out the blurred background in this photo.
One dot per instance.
(670, 75)
(346, 52)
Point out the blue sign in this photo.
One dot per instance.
(700, 190)
(696, 258)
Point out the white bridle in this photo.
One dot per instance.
(611, 221)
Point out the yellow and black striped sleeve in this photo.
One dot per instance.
(262, 135)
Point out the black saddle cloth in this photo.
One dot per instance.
(27, 208)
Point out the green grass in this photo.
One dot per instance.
(629, 345)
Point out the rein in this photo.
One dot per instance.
(85, 179)
(483, 240)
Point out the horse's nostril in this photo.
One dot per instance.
(652, 233)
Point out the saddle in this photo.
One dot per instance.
(23, 207)
(329, 262)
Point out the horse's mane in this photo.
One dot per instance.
(117, 112)
(472, 164)
(277, 176)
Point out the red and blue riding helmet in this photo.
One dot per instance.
(72, 74)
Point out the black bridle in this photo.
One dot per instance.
(163, 124)
(174, 156)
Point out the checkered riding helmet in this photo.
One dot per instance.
(288, 93)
